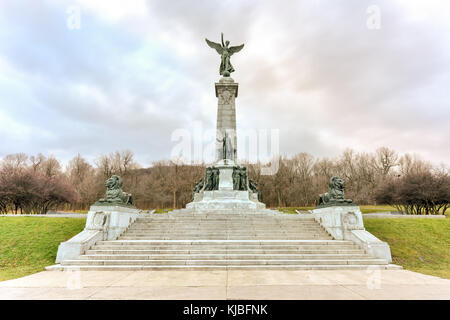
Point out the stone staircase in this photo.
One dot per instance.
(213, 240)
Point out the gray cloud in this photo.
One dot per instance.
(311, 69)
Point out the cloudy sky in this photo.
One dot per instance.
(129, 74)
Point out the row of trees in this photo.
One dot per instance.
(33, 185)
(37, 183)
(417, 193)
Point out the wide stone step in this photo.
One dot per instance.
(237, 233)
(227, 256)
(228, 262)
(219, 238)
(213, 229)
(220, 251)
(223, 247)
(223, 227)
(225, 236)
(220, 267)
(224, 218)
(224, 231)
(261, 218)
(227, 242)
(218, 226)
(237, 223)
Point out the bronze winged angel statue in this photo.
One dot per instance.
(225, 53)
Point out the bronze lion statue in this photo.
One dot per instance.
(335, 195)
(114, 193)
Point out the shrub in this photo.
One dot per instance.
(417, 193)
(30, 192)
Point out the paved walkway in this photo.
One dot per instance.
(233, 284)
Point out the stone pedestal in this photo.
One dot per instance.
(225, 200)
(104, 222)
(225, 177)
(346, 223)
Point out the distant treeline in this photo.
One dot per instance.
(35, 184)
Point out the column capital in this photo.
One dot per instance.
(226, 83)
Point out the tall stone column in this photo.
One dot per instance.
(225, 198)
(226, 92)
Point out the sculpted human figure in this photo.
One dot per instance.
(236, 178)
(335, 195)
(243, 178)
(209, 179)
(253, 186)
(114, 193)
(198, 187)
(215, 178)
(225, 53)
(227, 150)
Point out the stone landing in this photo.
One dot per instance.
(225, 200)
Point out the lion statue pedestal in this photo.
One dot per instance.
(107, 219)
(343, 220)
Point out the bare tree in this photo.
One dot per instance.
(51, 167)
(37, 161)
(386, 159)
(15, 162)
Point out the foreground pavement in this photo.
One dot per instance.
(233, 284)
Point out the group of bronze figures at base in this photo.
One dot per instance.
(239, 175)
(115, 195)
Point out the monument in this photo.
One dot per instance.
(225, 216)
(226, 185)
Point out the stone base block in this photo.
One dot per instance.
(78, 245)
(103, 223)
(346, 223)
(224, 200)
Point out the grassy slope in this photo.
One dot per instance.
(28, 244)
(421, 245)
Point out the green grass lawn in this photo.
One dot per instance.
(163, 210)
(373, 208)
(421, 245)
(28, 244)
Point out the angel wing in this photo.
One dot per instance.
(235, 49)
(216, 46)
